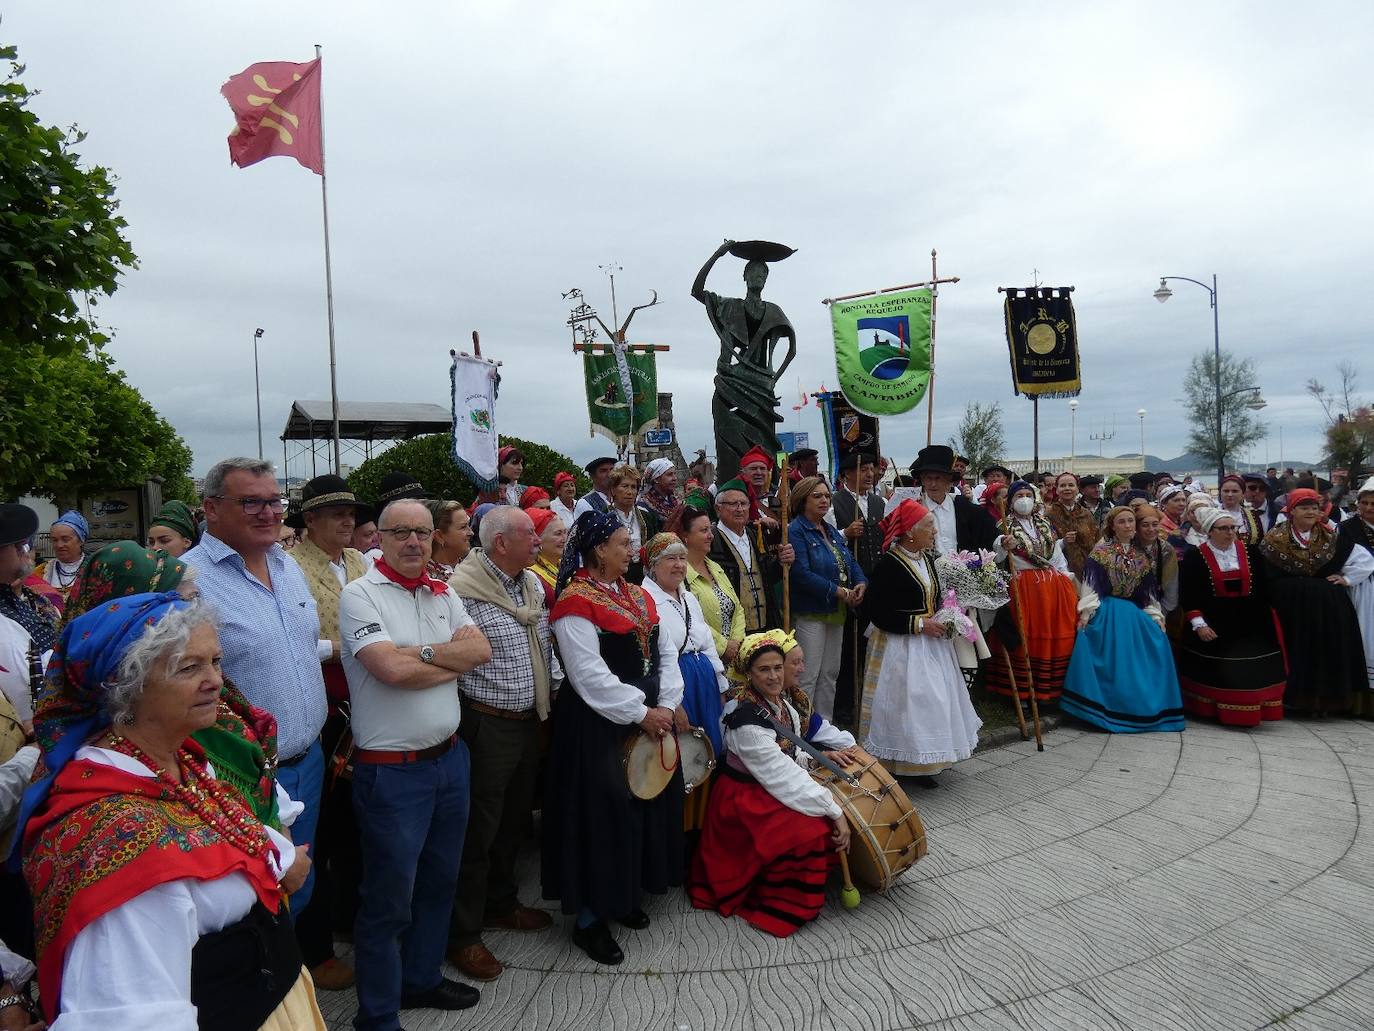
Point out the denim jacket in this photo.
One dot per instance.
(815, 576)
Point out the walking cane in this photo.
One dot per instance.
(1025, 643)
(785, 504)
(1006, 652)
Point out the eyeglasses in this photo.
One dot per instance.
(252, 506)
(401, 534)
(732, 504)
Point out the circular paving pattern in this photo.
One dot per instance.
(1211, 879)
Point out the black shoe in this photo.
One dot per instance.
(597, 943)
(925, 782)
(446, 995)
(636, 920)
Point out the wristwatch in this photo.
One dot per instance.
(427, 653)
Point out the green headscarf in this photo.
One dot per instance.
(176, 515)
(118, 570)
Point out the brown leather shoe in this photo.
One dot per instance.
(476, 961)
(521, 918)
(333, 975)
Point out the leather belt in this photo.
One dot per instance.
(500, 714)
(381, 757)
(294, 760)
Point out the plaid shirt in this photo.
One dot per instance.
(507, 681)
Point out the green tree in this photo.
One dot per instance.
(981, 438)
(430, 460)
(1349, 436)
(61, 243)
(1239, 426)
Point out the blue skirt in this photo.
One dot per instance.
(701, 696)
(1121, 676)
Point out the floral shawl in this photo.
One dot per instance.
(1120, 571)
(1281, 547)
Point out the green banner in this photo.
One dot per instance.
(882, 350)
(607, 409)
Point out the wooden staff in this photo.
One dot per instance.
(784, 504)
(1025, 643)
(1006, 652)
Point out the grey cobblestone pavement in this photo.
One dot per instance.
(1211, 879)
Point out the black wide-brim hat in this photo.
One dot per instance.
(856, 458)
(1142, 481)
(934, 458)
(803, 453)
(17, 523)
(1256, 479)
(398, 485)
(327, 491)
(998, 469)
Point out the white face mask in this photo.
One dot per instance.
(1024, 506)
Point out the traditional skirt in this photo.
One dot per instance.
(701, 699)
(1121, 676)
(760, 859)
(1363, 599)
(1326, 659)
(916, 715)
(1045, 605)
(1239, 678)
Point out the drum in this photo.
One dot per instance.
(698, 758)
(886, 835)
(649, 763)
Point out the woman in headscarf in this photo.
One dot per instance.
(1121, 675)
(1230, 662)
(1073, 521)
(564, 497)
(1231, 496)
(1043, 611)
(534, 498)
(173, 529)
(659, 495)
(510, 465)
(681, 620)
(171, 912)
(552, 536)
(602, 845)
(121, 569)
(1172, 503)
(1193, 533)
(1163, 563)
(997, 500)
(771, 830)
(916, 716)
(1308, 568)
(1360, 529)
(68, 536)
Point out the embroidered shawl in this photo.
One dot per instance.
(1126, 567)
(630, 610)
(1281, 547)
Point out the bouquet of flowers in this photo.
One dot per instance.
(975, 579)
(951, 617)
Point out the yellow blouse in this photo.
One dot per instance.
(711, 604)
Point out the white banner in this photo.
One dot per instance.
(474, 419)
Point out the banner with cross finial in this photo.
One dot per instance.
(276, 107)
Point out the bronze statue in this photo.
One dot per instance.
(745, 407)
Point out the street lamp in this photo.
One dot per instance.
(1162, 294)
(257, 387)
(1073, 430)
(1140, 413)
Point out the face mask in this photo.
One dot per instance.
(1024, 506)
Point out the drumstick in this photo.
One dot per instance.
(849, 895)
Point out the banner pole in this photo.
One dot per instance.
(930, 389)
(328, 280)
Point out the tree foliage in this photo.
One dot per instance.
(430, 460)
(1239, 426)
(1349, 436)
(61, 243)
(981, 438)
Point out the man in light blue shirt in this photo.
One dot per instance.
(269, 629)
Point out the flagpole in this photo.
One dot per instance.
(930, 390)
(329, 282)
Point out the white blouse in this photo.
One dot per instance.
(131, 967)
(786, 778)
(672, 624)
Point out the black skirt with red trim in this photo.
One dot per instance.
(760, 859)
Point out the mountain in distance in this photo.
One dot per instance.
(1187, 462)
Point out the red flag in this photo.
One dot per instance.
(276, 107)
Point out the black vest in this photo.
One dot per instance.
(240, 974)
(868, 548)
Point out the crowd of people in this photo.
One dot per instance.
(264, 732)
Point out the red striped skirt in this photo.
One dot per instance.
(1046, 609)
(760, 859)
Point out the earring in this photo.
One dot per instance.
(127, 719)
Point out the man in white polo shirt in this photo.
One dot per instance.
(406, 639)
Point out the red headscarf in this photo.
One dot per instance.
(561, 478)
(541, 517)
(1298, 497)
(757, 454)
(897, 523)
(531, 495)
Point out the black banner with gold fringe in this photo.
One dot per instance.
(1042, 336)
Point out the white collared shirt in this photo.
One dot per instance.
(946, 536)
(743, 546)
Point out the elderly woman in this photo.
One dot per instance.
(916, 715)
(1172, 503)
(660, 489)
(1074, 523)
(826, 583)
(1163, 562)
(68, 536)
(564, 497)
(1193, 533)
(552, 536)
(1360, 529)
(1308, 568)
(1121, 675)
(602, 845)
(709, 583)
(1230, 662)
(1231, 497)
(180, 923)
(1044, 603)
(173, 529)
(771, 830)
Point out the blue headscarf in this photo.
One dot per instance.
(1019, 485)
(72, 710)
(590, 530)
(77, 522)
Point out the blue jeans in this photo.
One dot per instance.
(304, 782)
(412, 818)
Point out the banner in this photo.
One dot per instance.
(1042, 336)
(474, 382)
(276, 107)
(882, 350)
(608, 411)
(846, 430)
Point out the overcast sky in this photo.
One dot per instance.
(483, 158)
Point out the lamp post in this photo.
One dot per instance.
(1140, 414)
(1162, 294)
(1073, 430)
(257, 387)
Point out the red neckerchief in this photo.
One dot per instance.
(410, 583)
